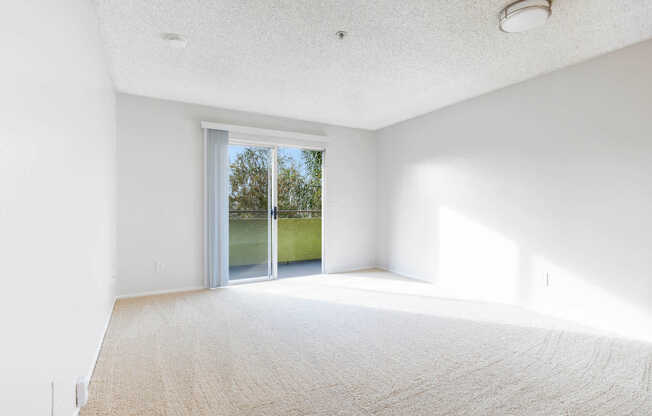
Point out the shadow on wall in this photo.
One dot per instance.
(476, 262)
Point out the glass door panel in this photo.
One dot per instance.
(250, 202)
(299, 201)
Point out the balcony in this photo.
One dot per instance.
(299, 243)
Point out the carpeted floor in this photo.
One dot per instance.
(358, 344)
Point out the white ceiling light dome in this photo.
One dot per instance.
(524, 15)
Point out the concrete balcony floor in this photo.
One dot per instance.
(291, 269)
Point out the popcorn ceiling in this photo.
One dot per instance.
(400, 58)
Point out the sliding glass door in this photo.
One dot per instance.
(299, 211)
(275, 212)
(250, 203)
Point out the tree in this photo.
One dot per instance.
(313, 160)
(297, 191)
(248, 180)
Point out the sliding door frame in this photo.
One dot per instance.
(273, 144)
(271, 269)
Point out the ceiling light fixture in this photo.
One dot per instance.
(524, 15)
(175, 40)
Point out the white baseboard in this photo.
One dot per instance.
(99, 346)
(98, 349)
(400, 273)
(355, 269)
(160, 292)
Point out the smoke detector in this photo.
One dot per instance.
(523, 15)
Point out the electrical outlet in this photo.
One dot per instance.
(158, 266)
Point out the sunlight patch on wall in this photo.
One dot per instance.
(563, 294)
(475, 262)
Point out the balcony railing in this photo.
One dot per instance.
(299, 236)
(283, 213)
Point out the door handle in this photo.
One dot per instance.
(274, 212)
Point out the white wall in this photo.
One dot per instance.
(160, 191)
(57, 182)
(553, 175)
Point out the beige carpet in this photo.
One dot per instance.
(360, 344)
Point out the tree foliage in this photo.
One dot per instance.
(249, 189)
(299, 187)
(313, 161)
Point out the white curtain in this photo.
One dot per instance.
(217, 207)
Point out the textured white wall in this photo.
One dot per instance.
(160, 191)
(57, 223)
(551, 176)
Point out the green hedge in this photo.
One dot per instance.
(298, 239)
